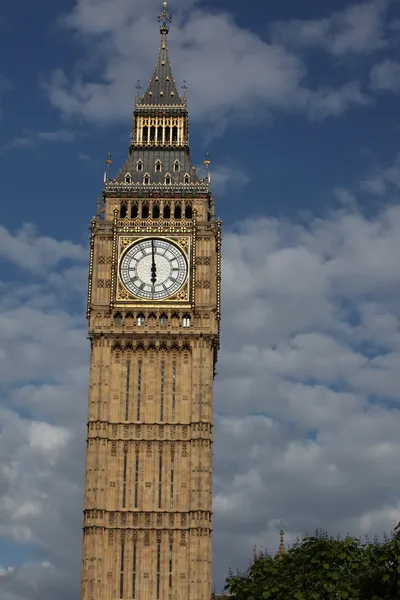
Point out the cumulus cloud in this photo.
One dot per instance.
(383, 181)
(386, 76)
(226, 66)
(224, 176)
(36, 253)
(357, 29)
(29, 139)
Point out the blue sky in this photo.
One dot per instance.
(297, 104)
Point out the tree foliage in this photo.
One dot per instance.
(320, 567)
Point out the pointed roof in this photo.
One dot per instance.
(162, 89)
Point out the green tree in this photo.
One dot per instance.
(381, 580)
(320, 567)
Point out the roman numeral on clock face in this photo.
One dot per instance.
(153, 269)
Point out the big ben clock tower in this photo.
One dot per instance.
(153, 313)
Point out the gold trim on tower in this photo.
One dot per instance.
(91, 259)
(124, 297)
(219, 275)
(114, 258)
(194, 254)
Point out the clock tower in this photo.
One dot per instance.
(154, 312)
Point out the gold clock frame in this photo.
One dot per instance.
(124, 298)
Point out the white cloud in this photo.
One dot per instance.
(227, 67)
(358, 28)
(386, 76)
(223, 177)
(36, 253)
(327, 102)
(31, 138)
(384, 180)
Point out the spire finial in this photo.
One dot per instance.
(164, 19)
(282, 540)
(108, 167)
(184, 88)
(207, 163)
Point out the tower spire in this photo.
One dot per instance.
(162, 89)
(281, 550)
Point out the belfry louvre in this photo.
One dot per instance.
(154, 308)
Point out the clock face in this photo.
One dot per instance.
(153, 269)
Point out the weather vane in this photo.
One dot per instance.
(164, 19)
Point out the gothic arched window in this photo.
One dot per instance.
(145, 210)
(177, 211)
(118, 319)
(156, 210)
(123, 211)
(134, 210)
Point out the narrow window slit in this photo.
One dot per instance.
(136, 479)
(134, 571)
(121, 578)
(162, 391)
(172, 481)
(124, 482)
(160, 465)
(158, 569)
(173, 390)
(128, 379)
(139, 390)
(170, 567)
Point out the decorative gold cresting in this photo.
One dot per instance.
(194, 256)
(219, 275)
(114, 258)
(90, 279)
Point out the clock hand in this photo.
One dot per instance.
(153, 266)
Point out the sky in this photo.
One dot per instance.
(297, 104)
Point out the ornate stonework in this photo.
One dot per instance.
(148, 489)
